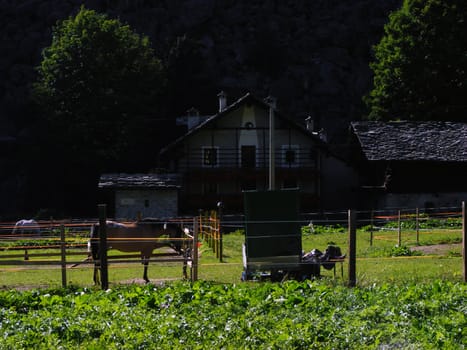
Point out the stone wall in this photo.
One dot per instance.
(131, 204)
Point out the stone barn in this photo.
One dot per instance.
(133, 196)
(407, 164)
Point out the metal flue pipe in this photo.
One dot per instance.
(271, 101)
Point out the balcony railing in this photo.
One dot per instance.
(248, 157)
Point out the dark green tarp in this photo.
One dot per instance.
(272, 224)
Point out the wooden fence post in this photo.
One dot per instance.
(352, 248)
(103, 245)
(464, 241)
(194, 263)
(63, 254)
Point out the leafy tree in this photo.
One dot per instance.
(99, 86)
(96, 79)
(420, 71)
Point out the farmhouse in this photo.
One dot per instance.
(410, 164)
(131, 196)
(224, 154)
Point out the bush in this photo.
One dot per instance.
(403, 251)
(310, 229)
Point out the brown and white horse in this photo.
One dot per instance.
(141, 236)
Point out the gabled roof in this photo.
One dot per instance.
(7, 139)
(412, 141)
(139, 181)
(248, 98)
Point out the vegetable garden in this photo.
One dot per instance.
(207, 315)
(406, 296)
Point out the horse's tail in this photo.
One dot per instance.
(93, 243)
(177, 242)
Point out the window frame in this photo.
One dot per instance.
(288, 148)
(204, 157)
(243, 158)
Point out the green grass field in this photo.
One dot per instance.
(379, 262)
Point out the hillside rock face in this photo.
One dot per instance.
(313, 56)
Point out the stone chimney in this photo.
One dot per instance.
(193, 118)
(323, 135)
(271, 101)
(310, 124)
(222, 101)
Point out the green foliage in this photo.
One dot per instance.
(95, 80)
(375, 263)
(312, 315)
(37, 242)
(420, 68)
(320, 229)
(403, 251)
(28, 243)
(425, 222)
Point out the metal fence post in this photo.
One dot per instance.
(352, 248)
(417, 225)
(200, 211)
(220, 206)
(195, 250)
(103, 245)
(213, 226)
(63, 254)
(214, 235)
(399, 229)
(219, 238)
(464, 241)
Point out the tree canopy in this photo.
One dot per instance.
(99, 90)
(420, 68)
(96, 79)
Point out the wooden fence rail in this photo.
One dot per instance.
(191, 262)
(413, 216)
(210, 231)
(67, 252)
(207, 225)
(32, 252)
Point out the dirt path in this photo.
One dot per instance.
(437, 249)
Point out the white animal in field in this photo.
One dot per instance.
(26, 226)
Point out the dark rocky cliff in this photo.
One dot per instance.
(311, 55)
